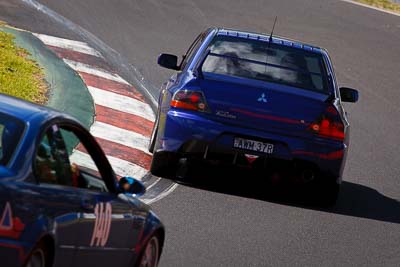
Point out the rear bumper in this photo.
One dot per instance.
(190, 135)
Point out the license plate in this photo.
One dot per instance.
(253, 145)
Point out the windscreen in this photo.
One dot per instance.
(254, 59)
(11, 130)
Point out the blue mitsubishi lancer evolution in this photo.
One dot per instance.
(264, 102)
(60, 201)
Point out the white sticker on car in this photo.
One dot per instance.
(102, 225)
(6, 221)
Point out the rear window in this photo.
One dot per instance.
(253, 59)
(11, 130)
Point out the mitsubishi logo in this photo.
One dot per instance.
(262, 98)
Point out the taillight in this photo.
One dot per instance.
(329, 125)
(192, 100)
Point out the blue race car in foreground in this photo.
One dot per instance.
(60, 202)
(246, 99)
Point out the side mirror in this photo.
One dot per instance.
(348, 94)
(129, 185)
(168, 61)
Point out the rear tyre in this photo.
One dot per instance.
(163, 165)
(39, 257)
(150, 254)
(183, 170)
(153, 139)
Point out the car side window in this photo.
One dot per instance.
(85, 173)
(51, 161)
(62, 159)
(192, 50)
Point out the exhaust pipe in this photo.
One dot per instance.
(307, 175)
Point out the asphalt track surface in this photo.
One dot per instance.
(232, 221)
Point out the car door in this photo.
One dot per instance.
(55, 200)
(108, 229)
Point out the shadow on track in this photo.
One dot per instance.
(365, 202)
(354, 199)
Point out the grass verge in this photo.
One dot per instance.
(19, 75)
(385, 4)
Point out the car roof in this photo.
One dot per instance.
(22, 109)
(265, 38)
